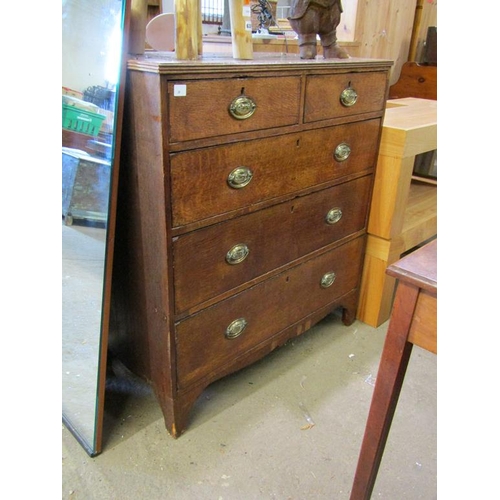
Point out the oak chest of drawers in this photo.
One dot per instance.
(242, 208)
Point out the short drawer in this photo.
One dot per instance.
(333, 96)
(213, 260)
(217, 180)
(221, 333)
(208, 108)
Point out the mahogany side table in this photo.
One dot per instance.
(413, 321)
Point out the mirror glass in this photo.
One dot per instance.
(92, 37)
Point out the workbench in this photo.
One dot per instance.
(403, 211)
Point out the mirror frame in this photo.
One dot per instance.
(95, 447)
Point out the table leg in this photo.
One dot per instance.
(394, 361)
(377, 288)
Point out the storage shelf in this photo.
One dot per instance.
(420, 218)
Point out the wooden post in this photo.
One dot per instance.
(200, 29)
(416, 28)
(187, 33)
(138, 17)
(241, 29)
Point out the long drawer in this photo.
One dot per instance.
(221, 333)
(216, 180)
(333, 96)
(216, 259)
(209, 108)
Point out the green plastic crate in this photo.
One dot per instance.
(79, 120)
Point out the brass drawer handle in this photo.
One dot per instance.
(237, 254)
(240, 177)
(235, 329)
(342, 152)
(328, 279)
(333, 215)
(242, 107)
(348, 97)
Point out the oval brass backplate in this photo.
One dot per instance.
(328, 279)
(235, 328)
(240, 177)
(242, 107)
(333, 215)
(342, 152)
(237, 254)
(348, 97)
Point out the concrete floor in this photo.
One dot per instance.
(288, 427)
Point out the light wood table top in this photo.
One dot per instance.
(409, 127)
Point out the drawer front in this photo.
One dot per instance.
(334, 96)
(204, 341)
(201, 180)
(216, 259)
(202, 108)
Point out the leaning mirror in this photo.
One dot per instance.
(93, 32)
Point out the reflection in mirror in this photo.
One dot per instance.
(92, 35)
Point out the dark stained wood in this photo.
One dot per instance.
(142, 268)
(416, 80)
(186, 397)
(322, 96)
(418, 268)
(280, 165)
(417, 279)
(272, 238)
(209, 100)
(174, 294)
(268, 308)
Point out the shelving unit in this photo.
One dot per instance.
(404, 210)
(420, 218)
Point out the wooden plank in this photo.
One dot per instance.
(426, 180)
(416, 27)
(137, 37)
(420, 218)
(423, 331)
(377, 287)
(187, 16)
(429, 18)
(383, 29)
(390, 194)
(416, 80)
(241, 29)
(410, 127)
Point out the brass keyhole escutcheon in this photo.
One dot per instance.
(328, 279)
(333, 215)
(240, 177)
(348, 97)
(235, 329)
(242, 107)
(237, 254)
(342, 152)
